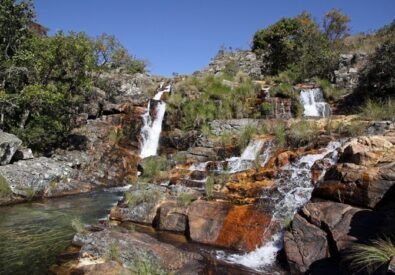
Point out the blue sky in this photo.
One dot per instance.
(182, 35)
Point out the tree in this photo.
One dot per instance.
(335, 25)
(110, 54)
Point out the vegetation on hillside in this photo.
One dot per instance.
(44, 80)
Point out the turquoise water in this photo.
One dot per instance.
(33, 234)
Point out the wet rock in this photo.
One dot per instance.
(304, 244)
(133, 247)
(178, 139)
(201, 154)
(9, 143)
(221, 224)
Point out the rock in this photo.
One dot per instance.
(201, 154)
(365, 174)
(349, 68)
(221, 224)
(304, 245)
(23, 154)
(233, 126)
(36, 177)
(380, 127)
(172, 217)
(144, 204)
(9, 143)
(178, 139)
(133, 247)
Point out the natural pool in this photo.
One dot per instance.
(33, 234)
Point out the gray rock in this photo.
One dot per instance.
(133, 247)
(349, 68)
(34, 177)
(9, 143)
(23, 154)
(222, 126)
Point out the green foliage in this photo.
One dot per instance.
(301, 133)
(209, 187)
(115, 135)
(335, 24)
(379, 110)
(199, 100)
(179, 157)
(114, 252)
(110, 54)
(77, 225)
(331, 92)
(5, 189)
(266, 108)
(146, 265)
(280, 134)
(153, 168)
(140, 195)
(378, 78)
(231, 68)
(247, 133)
(184, 199)
(371, 257)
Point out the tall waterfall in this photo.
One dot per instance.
(294, 188)
(152, 127)
(314, 104)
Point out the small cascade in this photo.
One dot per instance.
(250, 154)
(152, 127)
(314, 104)
(294, 189)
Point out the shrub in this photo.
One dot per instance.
(115, 135)
(146, 265)
(247, 133)
(371, 257)
(209, 187)
(5, 189)
(141, 195)
(152, 169)
(281, 135)
(179, 157)
(331, 93)
(113, 253)
(184, 199)
(77, 225)
(301, 133)
(266, 108)
(376, 110)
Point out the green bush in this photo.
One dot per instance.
(153, 167)
(5, 189)
(140, 195)
(114, 252)
(281, 135)
(384, 110)
(371, 257)
(301, 133)
(266, 108)
(184, 199)
(209, 187)
(146, 265)
(247, 133)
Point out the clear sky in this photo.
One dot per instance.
(182, 35)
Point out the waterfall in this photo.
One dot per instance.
(294, 188)
(313, 103)
(152, 127)
(250, 154)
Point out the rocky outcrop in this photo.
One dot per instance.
(364, 174)
(234, 126)
(238, 60)
(9, 143)
(350, 66)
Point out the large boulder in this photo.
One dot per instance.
(364, 174)
(130, 248)
(222, 224)
(9, 143)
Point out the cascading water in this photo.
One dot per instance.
(150, 133)
(244, 162)
(294, 188)
(314, 104)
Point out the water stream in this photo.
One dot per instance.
(314, 103)
(294, 188)
(152, 126)
(33, 234)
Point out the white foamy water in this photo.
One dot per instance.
(313, 103)
(294, 188)
(150, 133)
(245, 161)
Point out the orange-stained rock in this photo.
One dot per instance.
(244, 228)
(285, 158)
(222, 224)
